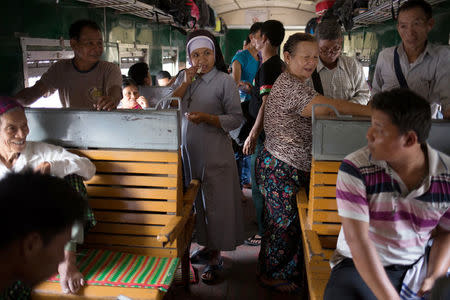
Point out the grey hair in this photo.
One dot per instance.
(328, 29)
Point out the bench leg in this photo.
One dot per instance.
(185, 268)
(185, 259)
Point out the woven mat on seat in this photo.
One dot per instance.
(178, 279)
(104, 267)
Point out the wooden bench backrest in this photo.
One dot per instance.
(133, 194)
(322, 216)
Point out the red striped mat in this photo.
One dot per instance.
(104, 267)
(178, 278)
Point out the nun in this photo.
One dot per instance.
(211, 109)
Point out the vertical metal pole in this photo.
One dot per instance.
(105, 38)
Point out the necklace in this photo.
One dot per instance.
(189, 99)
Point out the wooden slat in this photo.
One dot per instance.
(139, 193)
(315, 249)
(328, 242)
(302, 199)
(326, 229)
(328, 253)
(52, 290)
(117, 204)
(149, 181)
(120, 217)
(135, 167)
(323, 274)
(123, 231)
(125, 240)
(163, 252)
(323, 184)
(124, 155)
(126, 229)
(326, 166)
(329, 204)
(325, 178)
(317, 288)
(326, 216)
(164, 235)
(324, 191)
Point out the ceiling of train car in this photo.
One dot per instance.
(227, 6)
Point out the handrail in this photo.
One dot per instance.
(313, 117)
(165, 103)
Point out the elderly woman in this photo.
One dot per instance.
(16, 155)
(284, 164)
(211, 108)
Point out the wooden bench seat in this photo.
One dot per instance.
(320, 224)
(138, 201)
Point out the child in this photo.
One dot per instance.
(131, 98)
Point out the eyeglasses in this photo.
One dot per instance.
(334, 50)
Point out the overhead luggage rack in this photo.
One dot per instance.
(133, 7)
(382, 12)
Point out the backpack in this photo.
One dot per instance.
(180, 11)
(204, 13)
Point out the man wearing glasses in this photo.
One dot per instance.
(339, 76)
(415, 63)
(84, 81)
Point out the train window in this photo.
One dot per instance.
(129, 54)
(38, 56)
(170, 60)
(366, 72)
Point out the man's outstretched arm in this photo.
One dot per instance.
(29, 95)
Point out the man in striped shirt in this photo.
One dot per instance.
(391, 195)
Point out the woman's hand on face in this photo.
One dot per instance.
(189, 74)
(196, 117)
(249, 145)
(43, 168)
(142, 102)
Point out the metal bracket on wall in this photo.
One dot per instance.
(133, 7)
(381, 12)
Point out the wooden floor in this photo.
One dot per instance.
(238, 279)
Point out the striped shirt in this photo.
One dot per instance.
(400, 221)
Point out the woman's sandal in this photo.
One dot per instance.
(200, 256)
(209, 275)
(253, 241)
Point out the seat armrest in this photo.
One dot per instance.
(176, 223)
(189, 197)
(302, 199)
(315, 248)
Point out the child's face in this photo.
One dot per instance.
(130, 95)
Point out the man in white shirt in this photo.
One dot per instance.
(421, 66)
(17, 155)
(341, 76)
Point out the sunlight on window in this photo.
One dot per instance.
(366, 72)
(52, 101)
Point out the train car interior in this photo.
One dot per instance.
(228, 149)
